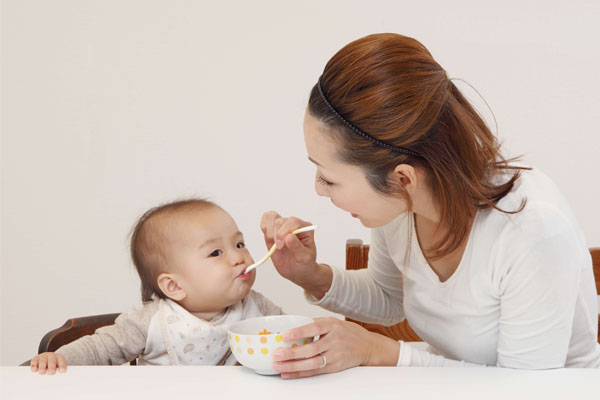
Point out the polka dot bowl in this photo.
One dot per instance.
(253, 341)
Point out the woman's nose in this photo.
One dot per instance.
(321, 191)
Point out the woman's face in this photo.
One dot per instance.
(346, 185)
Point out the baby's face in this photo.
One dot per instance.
(208, 257)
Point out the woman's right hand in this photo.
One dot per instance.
(295, 258)
(48, 362)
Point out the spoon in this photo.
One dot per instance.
(274, 247)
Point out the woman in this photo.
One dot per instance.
(484, 258)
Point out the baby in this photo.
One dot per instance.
(190, 256)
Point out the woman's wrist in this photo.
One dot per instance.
(384, 351)
(320, 281)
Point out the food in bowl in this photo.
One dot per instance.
(253, 341)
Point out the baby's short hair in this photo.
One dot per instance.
(147, 242)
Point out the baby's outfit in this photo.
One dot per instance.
(162, 332)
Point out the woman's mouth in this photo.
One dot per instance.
(354, 215)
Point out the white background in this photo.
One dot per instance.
(112, 107)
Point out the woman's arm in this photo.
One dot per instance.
(372, 295)
(341, 345)
(538, 290)
(320, 285)
(345, 345)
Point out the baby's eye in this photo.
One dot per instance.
(216, 253)
(241, 245)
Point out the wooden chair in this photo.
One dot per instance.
(596, 263)
(72, 330)
(357, 257)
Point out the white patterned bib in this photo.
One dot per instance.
(189, 340)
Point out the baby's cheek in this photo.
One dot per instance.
(250, 281)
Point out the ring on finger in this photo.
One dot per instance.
(324, 361)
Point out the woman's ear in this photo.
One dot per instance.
(169, 286)
(406, 176)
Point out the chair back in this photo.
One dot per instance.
(74, 329)
(595, 252)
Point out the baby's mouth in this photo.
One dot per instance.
(242, 273)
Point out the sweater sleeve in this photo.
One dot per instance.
(372, 295)
(538, 290)
(411, 356)
(113, 344)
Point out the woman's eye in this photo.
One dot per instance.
(241, 245)
(216, 253)
(323, 181)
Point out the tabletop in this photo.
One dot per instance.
(146, 382)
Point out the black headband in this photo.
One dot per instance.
(360, 132)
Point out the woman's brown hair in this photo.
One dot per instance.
(390, 87)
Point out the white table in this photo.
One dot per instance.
(365, 383)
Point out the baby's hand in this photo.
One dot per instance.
(48, 361)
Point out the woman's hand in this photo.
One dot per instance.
(341, 345)
(295, 258)
(48, 362)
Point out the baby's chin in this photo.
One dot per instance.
(248, 286)
(244, 289)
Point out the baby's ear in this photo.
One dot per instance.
(168, 284)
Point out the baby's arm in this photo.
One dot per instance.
(49, 362)
(110, 345)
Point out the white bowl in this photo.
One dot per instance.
(253, 341)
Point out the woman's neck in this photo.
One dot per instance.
(429, 232)
(424, 206)
(428, 235)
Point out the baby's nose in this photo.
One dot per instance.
(237, 258)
